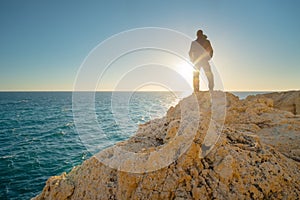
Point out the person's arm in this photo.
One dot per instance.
(191, 53)
(211, 51)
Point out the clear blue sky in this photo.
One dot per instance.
(43, 43)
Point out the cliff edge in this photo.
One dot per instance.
(256, 154)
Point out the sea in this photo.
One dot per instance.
(39, 137)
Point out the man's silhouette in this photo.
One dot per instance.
(200, 53)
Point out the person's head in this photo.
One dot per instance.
(199, 33)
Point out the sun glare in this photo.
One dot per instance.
(185, 69)
(152, 87)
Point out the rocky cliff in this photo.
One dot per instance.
(256, 154)
(289, 101)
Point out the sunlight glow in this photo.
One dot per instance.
(186, 69)
(152, 87)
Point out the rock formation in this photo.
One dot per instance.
(255, 157)
(289, 101)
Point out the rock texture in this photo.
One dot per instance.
(289, 101)
(256, 157)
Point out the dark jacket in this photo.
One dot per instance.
(205, 43)
(201, 50)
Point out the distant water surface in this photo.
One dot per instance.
(39, 139)
(243, 95)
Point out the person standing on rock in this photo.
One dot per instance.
(200, 53)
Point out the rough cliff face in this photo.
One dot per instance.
(289, 101)
(256, 157)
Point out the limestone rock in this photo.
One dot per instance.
(58, 187)
(254, 157)
(288, 101)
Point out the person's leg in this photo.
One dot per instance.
(209, 75)
(196, 80)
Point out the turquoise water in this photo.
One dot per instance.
(39, 138)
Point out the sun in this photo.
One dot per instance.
(185, 69)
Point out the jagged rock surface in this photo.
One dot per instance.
(254, 158)
(289, 101)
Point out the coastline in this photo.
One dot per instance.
(245, 162)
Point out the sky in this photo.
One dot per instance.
(43, 43)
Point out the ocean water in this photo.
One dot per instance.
(39, 138)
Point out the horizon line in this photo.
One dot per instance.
(144, 90)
